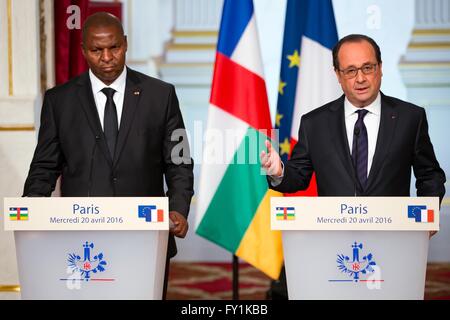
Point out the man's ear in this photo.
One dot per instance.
(125, 43)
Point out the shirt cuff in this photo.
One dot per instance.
(274, 180)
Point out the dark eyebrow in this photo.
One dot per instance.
(364, 64)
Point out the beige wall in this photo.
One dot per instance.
(19, 95)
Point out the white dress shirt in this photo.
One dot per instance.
(372, 123)
(100, 97)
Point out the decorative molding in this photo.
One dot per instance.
(17, 128)
(190, 46)
(43, 46)
(430, 45)
(425, 85)
(432, 13)
(10, 63)
(430, 32)
(193, 33)
(185, 65)
(431, 64)
(202, 15)
(9, 288)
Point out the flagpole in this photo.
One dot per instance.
(235, 277)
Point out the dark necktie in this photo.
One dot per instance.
(360, 149)
(110, 122)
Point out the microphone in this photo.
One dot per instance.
(97, 138)
(356, 132)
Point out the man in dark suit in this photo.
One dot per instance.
(362, 144)
(113, 132)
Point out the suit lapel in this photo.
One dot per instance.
(88, 103)
(130, 103)
(388, 122)
(339, 134)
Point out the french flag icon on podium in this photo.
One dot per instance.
(151, 213)
(421, 214)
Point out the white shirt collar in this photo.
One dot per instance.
(374, 107)
(118, 84)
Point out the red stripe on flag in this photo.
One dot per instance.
(160, 215)
(104, 280)
(18, 213)
(240, 92)
(285, 213)
(430, 215)
(311, 191)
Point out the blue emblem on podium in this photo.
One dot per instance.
(88, 264)
(356, 265)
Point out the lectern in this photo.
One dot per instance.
(355, 247)
(89, 248)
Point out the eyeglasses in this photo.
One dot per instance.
(352, 72)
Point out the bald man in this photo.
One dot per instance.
(108, 132)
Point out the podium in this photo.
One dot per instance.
(89, 248)
(356, 248)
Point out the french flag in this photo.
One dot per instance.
(426, 216)
(151, 213)
(307, 78)
(421, 214)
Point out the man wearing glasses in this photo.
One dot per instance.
(362, 144)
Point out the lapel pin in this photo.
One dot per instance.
(136, 93)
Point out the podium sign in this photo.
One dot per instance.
(86, 214)
(89, 248)
(355, 247)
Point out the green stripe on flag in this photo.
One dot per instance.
(237, 198)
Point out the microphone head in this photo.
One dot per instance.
(356, 131)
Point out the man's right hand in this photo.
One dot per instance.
(271, 161)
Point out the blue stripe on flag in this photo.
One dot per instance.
(415, 211)
(293, 31)
(235, 18)
(315, 20)
(325, 31)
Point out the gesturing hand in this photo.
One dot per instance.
(271, 161)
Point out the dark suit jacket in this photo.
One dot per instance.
(403, 143)
(71, 143)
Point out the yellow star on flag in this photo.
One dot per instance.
(294, 59)
(278, 118)
(281, 86)
(285, 147)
